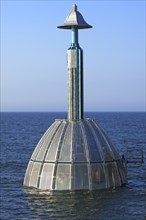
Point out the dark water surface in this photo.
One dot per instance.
(20, 133)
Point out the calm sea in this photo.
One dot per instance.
(20, 133)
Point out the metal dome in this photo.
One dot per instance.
(75, 155)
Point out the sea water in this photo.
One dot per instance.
(20, 133)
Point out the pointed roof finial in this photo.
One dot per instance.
(74, 7)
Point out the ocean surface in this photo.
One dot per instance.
(20, 133)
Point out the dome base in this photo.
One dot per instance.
(75, 155)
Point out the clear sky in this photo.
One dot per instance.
(33, 55)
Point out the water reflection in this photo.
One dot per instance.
(76, 205)
(120, 203)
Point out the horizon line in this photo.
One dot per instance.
(130, 111)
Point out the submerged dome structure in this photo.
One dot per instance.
(75, 153)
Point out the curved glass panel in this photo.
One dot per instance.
(34, 177)
(52, 151)
(98, 176)
(46, 142)
(63, 177)
(28, 173)
(91, 143)
(39, 145)
(113, 175)
(46, 177)
(81, 176)
(107, 153)
(114, 150)
(66, 148)
(122, 170)
(79, 154)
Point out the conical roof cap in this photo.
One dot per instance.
(75, 19)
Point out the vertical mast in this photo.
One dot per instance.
(74, 22)
(75, 78)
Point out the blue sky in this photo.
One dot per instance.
(33, 55)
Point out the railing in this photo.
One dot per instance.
(134, 154)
